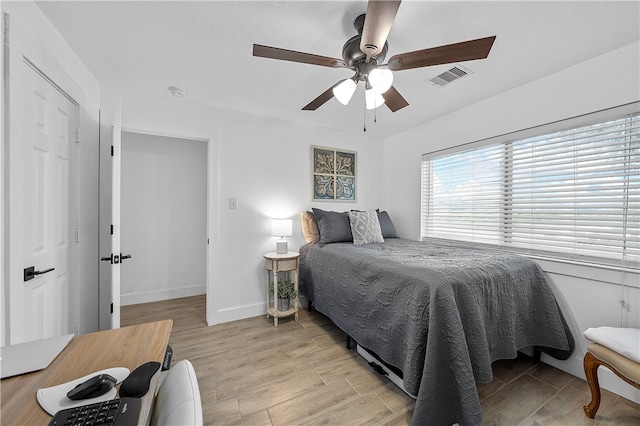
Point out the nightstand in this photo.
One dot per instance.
(287, 264)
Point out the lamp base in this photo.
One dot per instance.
(281, 247)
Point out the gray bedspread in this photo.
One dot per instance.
(440, 311)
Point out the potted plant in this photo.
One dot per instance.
(286, 292)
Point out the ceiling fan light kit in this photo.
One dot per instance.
(380, 79)
(365, 52)
(372, 98)
(344, 91)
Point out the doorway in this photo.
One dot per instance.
(163, 217)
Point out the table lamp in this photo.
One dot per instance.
(281, 228)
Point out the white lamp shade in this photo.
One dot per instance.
(381, 79)
(344, 91)
(282, 227)
(373, 99)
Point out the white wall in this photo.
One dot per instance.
(265, 164)
(32, 35)
(588, 296)
(163, 217)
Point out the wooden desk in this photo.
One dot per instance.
(124, 347)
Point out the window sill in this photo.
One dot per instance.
(588, 271)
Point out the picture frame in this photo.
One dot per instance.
(333, 174)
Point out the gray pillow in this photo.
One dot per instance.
(334, 227)
(388, 230)
(365, 227)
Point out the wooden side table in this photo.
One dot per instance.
(288, 263)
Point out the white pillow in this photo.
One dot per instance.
(625, 341)
(365, 227)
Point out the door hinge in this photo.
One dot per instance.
(111, 230)
(112, 308)
(77, 135)
(77, 235)
(112, 150)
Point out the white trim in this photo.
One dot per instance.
(4, 119)
(242, 312)
(588, 271)
(50, 81)
(157, 295)
(210, 289)
(163, 134)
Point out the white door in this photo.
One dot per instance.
(110, 176)
(41, 169)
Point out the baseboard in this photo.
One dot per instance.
(241, 312)
(157, 295)
(607, 379)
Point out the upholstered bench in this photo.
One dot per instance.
(618, 349)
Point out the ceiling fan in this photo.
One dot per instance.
(364, 53)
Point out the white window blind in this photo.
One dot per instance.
(573, 193)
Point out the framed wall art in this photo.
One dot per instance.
(333, 174)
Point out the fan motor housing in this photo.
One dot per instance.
(351, 52)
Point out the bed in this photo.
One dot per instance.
(439, 311)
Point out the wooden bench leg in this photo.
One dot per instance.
(591, 364)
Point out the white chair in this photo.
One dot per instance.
(178, 400)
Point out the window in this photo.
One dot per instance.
(571, 193)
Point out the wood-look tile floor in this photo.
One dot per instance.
(300, 373)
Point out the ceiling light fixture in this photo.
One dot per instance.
(372, 98)
(381, 79)
(344, 91)
(177, 92)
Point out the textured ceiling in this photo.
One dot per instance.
(205, 47)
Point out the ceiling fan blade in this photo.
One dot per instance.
(394, 100)
(377, 24)
(293, 56)
(457, 52)
(320, 100)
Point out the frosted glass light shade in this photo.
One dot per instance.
(380, 79)
(282, 227)
(344, 91)
(373, 99)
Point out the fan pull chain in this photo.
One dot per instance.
(365, 117)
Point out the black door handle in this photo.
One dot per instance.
(116, 259)
(30, 272)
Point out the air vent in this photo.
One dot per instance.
(449, 76)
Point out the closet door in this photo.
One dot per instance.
(40, 198)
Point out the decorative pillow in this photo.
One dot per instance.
(365, 227)
(334, 227)
(309, 227)
(386, 226)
